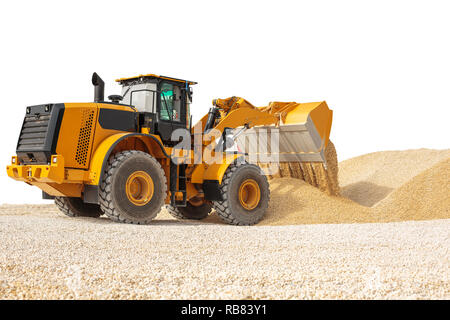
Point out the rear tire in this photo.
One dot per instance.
(133, 189)
(245, 192)
(75, 207)
(190, 211)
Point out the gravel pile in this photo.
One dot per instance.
(314, 245)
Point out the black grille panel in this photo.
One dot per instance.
(37, 139)
(33, 133)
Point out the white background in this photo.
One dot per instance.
(382, 66)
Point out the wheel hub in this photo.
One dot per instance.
(139, 188)
(249, 194)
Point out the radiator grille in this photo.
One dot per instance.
(34, 131)
(84, 137)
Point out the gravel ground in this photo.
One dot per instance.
(309, 246)
(50, 256)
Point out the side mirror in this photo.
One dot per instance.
(190, 93)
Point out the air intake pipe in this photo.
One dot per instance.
(99, 88)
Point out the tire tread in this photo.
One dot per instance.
(222, 208)
(106, 202)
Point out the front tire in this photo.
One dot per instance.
(75, 207)
(245, 192)
(133, 189)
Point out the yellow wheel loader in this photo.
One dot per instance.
(129, 156)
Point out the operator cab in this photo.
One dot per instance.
(162, 102)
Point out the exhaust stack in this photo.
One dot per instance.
(99, 88)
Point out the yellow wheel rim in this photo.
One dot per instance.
(139, 188)
(249, 194)
(196, 201)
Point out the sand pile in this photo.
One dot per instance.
(426, 196)
(363, 177)
(377, 187)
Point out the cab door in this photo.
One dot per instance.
(171, 110)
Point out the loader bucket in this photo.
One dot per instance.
(298, 146)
